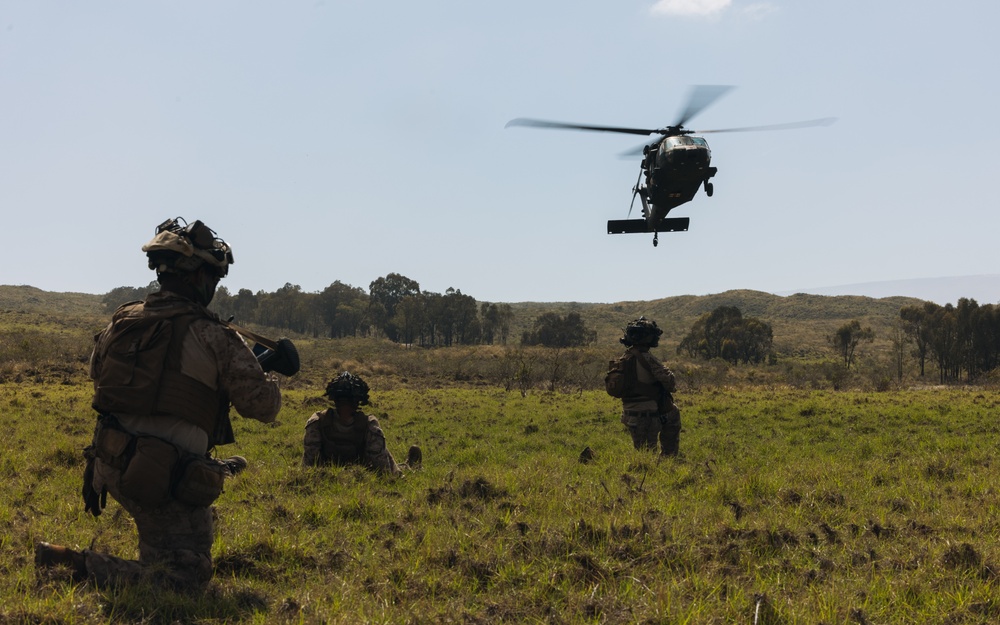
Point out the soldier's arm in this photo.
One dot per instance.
(254, 394)
(312, 444)
(662, 375)
(377, 453)
(96, 354)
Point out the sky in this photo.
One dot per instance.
(344, 140)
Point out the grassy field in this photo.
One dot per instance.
(788, 506)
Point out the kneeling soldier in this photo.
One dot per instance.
(165, 371)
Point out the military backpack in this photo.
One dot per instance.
(621, 377)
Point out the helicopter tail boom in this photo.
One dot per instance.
(635, 226)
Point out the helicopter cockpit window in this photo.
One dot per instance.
(686, 141)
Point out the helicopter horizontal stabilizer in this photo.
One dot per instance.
(634, 226)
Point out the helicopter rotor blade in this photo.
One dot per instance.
(825, 121)
(700, 98)
(640, 149)
(541, 123)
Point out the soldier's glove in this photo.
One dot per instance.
(93, 502)
(284, 360)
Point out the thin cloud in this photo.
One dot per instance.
(697, 8)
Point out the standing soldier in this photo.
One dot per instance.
(165, 371)
(648, 408)
(344, 434)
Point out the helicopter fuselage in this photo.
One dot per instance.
(674, 166)
(674, 171)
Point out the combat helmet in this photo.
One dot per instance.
(642, 332)
(348, 386)
(179, 247)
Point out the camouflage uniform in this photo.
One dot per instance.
(649, 412)
(175, 539)
(642, 414)
(330, 441)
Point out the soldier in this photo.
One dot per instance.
(344, 434)
(165, 371)
(649, 410)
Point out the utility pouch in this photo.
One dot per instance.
(147, 478)
(111, 445)
(201, 482)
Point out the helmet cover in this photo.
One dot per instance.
(641, 331)
(348, 386)
(180, 247)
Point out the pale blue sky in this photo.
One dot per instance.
(344, 140)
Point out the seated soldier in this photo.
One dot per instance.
(345, 435)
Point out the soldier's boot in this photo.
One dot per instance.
(52, 558)
(236, 464)
(670, 440)
(414, 457)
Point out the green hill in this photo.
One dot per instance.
(801, 322)
(28, 299)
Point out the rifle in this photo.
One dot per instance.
(280, 355)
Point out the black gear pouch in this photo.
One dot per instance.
(149, 474)
(200, 482)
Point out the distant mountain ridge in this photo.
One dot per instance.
(985, 289)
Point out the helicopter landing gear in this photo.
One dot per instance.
(709, 188)
(656, 239)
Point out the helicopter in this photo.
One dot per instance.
(674, 166)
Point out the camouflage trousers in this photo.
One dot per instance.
(651, 430)
(175, 543)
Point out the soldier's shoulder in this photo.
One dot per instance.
(373, 423)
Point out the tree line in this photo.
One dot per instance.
(393, 307)
(960, 339)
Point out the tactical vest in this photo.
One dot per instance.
(338, 447)
(140, 369)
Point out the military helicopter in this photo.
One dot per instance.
(674, 166)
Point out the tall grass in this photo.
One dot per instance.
(787, 506)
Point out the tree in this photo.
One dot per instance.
(245, 306)
(463, 316)
(846, 339)
(342, 308)
(384, 294)
(122, 294)
(552, 330)
(290, 308)
(899, 340)
(917, 328)
(410, 318)
(725, 333)
(496, 320)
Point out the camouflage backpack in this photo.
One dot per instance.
(621, 378)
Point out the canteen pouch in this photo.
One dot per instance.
(111, 445)
(200, 483)
(148, 476)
